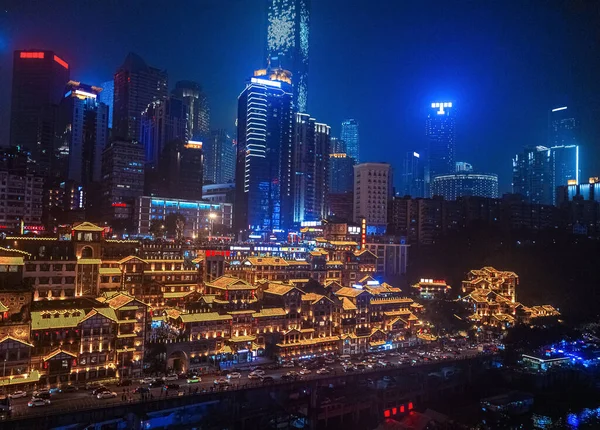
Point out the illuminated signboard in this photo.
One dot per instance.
(266, 82)
(363, 237)
(119, 205)
(441, 106)
(39, 55)
(357, 286)
(372, 282)
(61, 61)
(193, 144)
(310, 223)
(416, 154)
(353, 229)
(85, 94)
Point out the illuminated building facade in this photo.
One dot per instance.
(288, 43)
(264, 202)
(219, 158)
(432, 288)
(413, 175)
(372, 194)
(122, 178)
(107, 96)
(137, 85)
(84, 126)
(350, 137)
(458, 185)
(197, 105)
(341, 173)
(38, 86)
(22, 196)
(440, 130)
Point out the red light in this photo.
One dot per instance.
(401, 409)
(61, 61)
(119, 205)
(386, 413)
(410, 406)
(31, 55)
(394, 411)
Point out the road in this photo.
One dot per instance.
(83, 399)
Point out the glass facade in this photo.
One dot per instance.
(458, 185)
(440, 129)
(350, 137)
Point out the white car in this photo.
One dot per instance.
(322, 371)
(288, 364)
(234, 375)
(171, 378)
(259, 372)
(253, 375)
(35, 402)
(107, 395)
(146, 380)
(305, 372)
(37, 393)
(17, 395)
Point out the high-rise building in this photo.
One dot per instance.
(341, 173)
(440, 129)
(264, 153)
(337, 146)
(413, 175)
(84, 128)
(38, 86)
(219, 158)
(288, 43)
(462, 184)
(136, 86)
(107, 96)
(122, 178)
(163, 121)
(372, 194)
(180, 170)
(310, 165)
(539, 171)
(350, 137)
(563, 127)
(199, 114)
(21, 196)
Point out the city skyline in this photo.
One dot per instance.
(482, 122)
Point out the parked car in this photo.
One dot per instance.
(107, 395)
(36, 402)
(221, 382)
(322, 371)
(40, 393)
(288, 364)
(254, 375)
(146, 380)
(234, 375)
(194, 379)
(99, 390)
(171, 377)
(69, 389)
(18, 394)
(141, 390)
(124, 383)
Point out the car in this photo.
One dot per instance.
(234, 375)
(170, 387)
(40, 393)
(322, 371)
(146, 380)
(69, 389)
(330, 361)
(258, 371)
(267, 380)
(107, 395)
(253, 375)
(92, 385)
(18, 394)
(124, 383)
(305, 371)
(288, 364)
(99, 390)
(221, 382)
(194, 379)
(171, 377)
(141, 390)
(54, 390)
(36, 402)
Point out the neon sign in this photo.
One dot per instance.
(61, 61)
(31, 55)
(441, 107)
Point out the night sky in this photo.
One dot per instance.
(503, 63)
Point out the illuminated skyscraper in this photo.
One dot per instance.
(199, 115)
(337, 146)
(219, 158)
(440, 129)
(350, 136)
(288, 43)
(263, 176)
(107, 96)
(136, 86)
(412, 180)
(341, 173)
(372, 195)
(38, 86)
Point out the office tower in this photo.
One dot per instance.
(107, 96)
(462, 184)
(350, 137)
(413, 175)
(38, 85)
(219, 158)
(162, 121)
(122, 178)
(337, 146)
(136, 86)
(310, 164)
(288, 43)
(179, 172)
(199, 114)
(372, 193)
(341, 173)
(21, 194)
(565, 164)
(84, 130)
(264, 153)
(440, 129)
(563, 127)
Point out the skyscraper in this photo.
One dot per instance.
(440, 129)
(38, 86)
(565, 165)
(413, 179)
(350, 136)
(199, 115)
(310, 164)
(372, 194)
(563, 127)
(337, 146)
(463, 184)
(107, 96)
(136, 86)
(341, 173)
(84, 128)
(219, 158)
(264, 153)
(288, 43)
(161, 122)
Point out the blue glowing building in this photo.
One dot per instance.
(350, 137)
(107, 96)
(263, 203)
(440, 129)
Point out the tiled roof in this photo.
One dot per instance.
(266, 261)
(204, 316)
(38, 322)
(349, 292)
(394, 300)
(279, 290)
(313, 297)
(57, 352)
(87, 226)
(242, 338)
(118, 300)
(3, 308)
(89, 261)
(228, 282)
(14, 339)
(131, 257)
(176, 295)
(347, 305)
(11, 261)
(334, 263)
(110, 271)
(269, 312)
